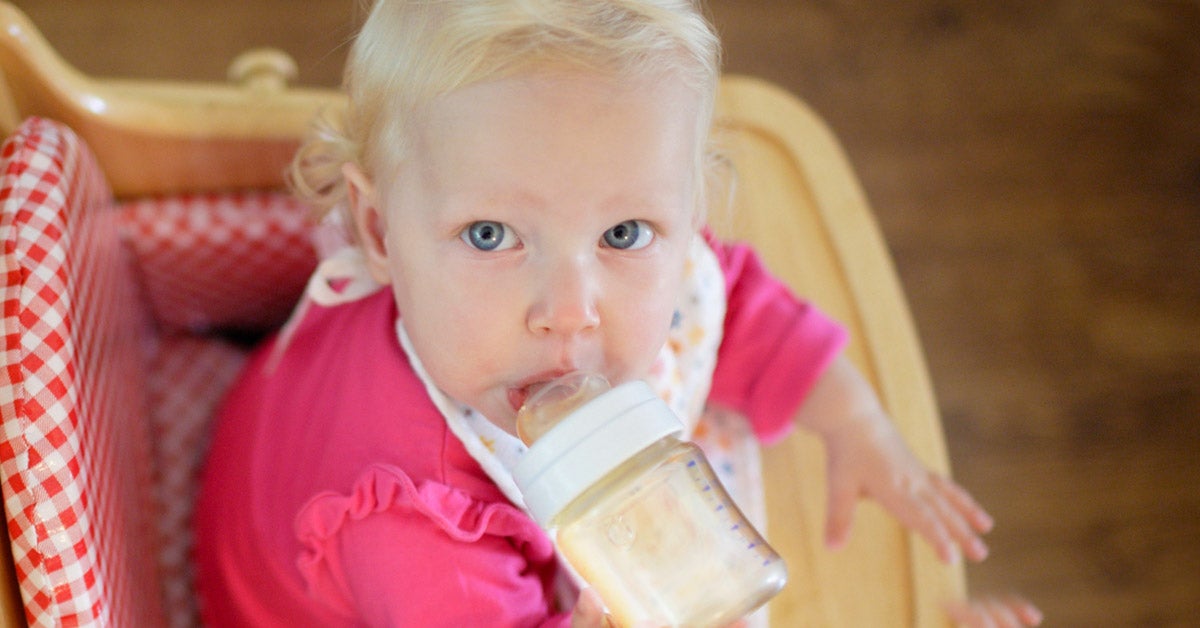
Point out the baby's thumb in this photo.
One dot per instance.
(840, 516)
(589, 612)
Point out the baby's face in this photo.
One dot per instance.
(541, 227)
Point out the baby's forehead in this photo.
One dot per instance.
(538, 110)
(555, 143)
(556, 97)
(546, 80)
(567, 113)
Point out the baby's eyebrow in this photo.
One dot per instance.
(649, 203)
(467, 200)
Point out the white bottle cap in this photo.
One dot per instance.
(588, 443)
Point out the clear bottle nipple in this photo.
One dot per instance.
(552, 401)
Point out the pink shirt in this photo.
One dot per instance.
(335, 494)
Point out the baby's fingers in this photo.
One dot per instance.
(932, 508)
(995, 612)
(964, 504)
(962, 517)
(922, 510)
(589, 612)
(843, 499)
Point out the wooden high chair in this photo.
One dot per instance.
(178, 153)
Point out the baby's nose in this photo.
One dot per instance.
(566, 301)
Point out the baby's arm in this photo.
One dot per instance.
(995, 612)
(777, 350)
(867, 457)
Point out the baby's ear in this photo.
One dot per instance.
(368, 221)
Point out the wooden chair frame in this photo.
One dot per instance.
(796, 199)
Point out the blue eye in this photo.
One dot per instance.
(629, 235)
(489, 235)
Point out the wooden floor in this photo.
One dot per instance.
(1035, 166)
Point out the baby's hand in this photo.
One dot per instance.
(868, 458)
(995, 612)
(589, 612)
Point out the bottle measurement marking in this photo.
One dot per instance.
(731, 516)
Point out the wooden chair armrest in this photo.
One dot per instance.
(798, 201)
(158, 137)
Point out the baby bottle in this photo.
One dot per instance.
(636, 511)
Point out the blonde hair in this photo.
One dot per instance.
(409, 52)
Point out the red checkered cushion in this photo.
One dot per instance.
(111, 375)
(205, 259)
(235, 262)
(75, 452)
(187, 379)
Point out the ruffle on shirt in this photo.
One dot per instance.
(382, 488)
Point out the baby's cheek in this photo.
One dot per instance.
(645, 342)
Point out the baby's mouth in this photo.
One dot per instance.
(517, 397)
(519, 394)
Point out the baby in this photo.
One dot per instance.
(528, 178)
